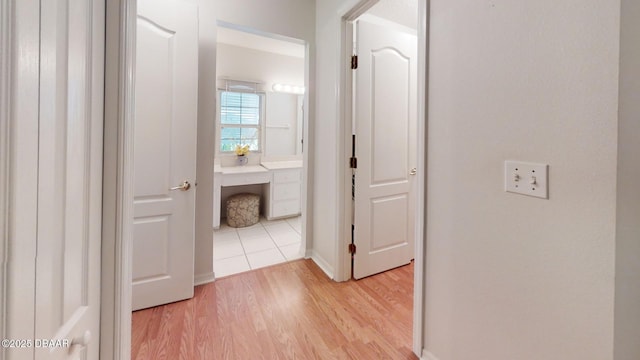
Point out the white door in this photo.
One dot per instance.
(54, 291)
(166, 82)
(385, 120)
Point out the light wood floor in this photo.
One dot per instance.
(288, 311)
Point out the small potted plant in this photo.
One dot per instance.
(242, 151)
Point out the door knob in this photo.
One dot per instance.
(80, 342)
(184, 186)
(413, 171)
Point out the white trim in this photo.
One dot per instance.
(421, 218)
(344, 227)
(322, 264)
(347, 13)
(306, 206)
(115, 340)
(255, 31)
(343, 261)
(5, 85)
(202, 279)
(352, 10)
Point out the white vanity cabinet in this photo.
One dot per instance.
(283, 193)
(235, 176)
(282, 186)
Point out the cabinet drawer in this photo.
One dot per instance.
(285, 176)
(289, 191)
(245, 179)
(285, 208)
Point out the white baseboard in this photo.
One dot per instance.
(202, 279)
(321, 262)
(426, 355)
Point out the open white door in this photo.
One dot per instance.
(165, 152)
(55, 208)
(385, 120)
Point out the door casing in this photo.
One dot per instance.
(5, 51)
(117, 205)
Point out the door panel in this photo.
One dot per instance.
(385, 122)
(152, 235)
(67, 308)
(164, 152)
(384, 237)
(390, 84)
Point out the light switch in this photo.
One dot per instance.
(526, 178)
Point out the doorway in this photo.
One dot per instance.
(344, 257)
(261, 81)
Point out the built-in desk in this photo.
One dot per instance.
(282, 181)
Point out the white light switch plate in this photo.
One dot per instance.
(526, 178)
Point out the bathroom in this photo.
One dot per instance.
(260, 88)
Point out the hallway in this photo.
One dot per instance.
(287, 311)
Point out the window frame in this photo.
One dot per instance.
(260, 127)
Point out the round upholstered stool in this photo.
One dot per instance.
(243, 210)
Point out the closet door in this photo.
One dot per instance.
(67, 313)
(54, 169)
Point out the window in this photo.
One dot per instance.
(241, 117)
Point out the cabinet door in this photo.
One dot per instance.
(286, 176)
(285, 208)
(290, 191)
(285, 193)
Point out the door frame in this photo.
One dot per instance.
(117, 228)
(5, 116)
(344, 99)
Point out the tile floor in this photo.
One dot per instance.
(263, 244)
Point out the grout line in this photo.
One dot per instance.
(277, 246)
(244, 251)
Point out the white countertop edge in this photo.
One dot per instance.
(275, 165)
(245, 169)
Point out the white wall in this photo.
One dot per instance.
(293, 18)
(242, 63)
(404, 12)
(510, 276)
(206, 115)
(326, 137)
(627, 309)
